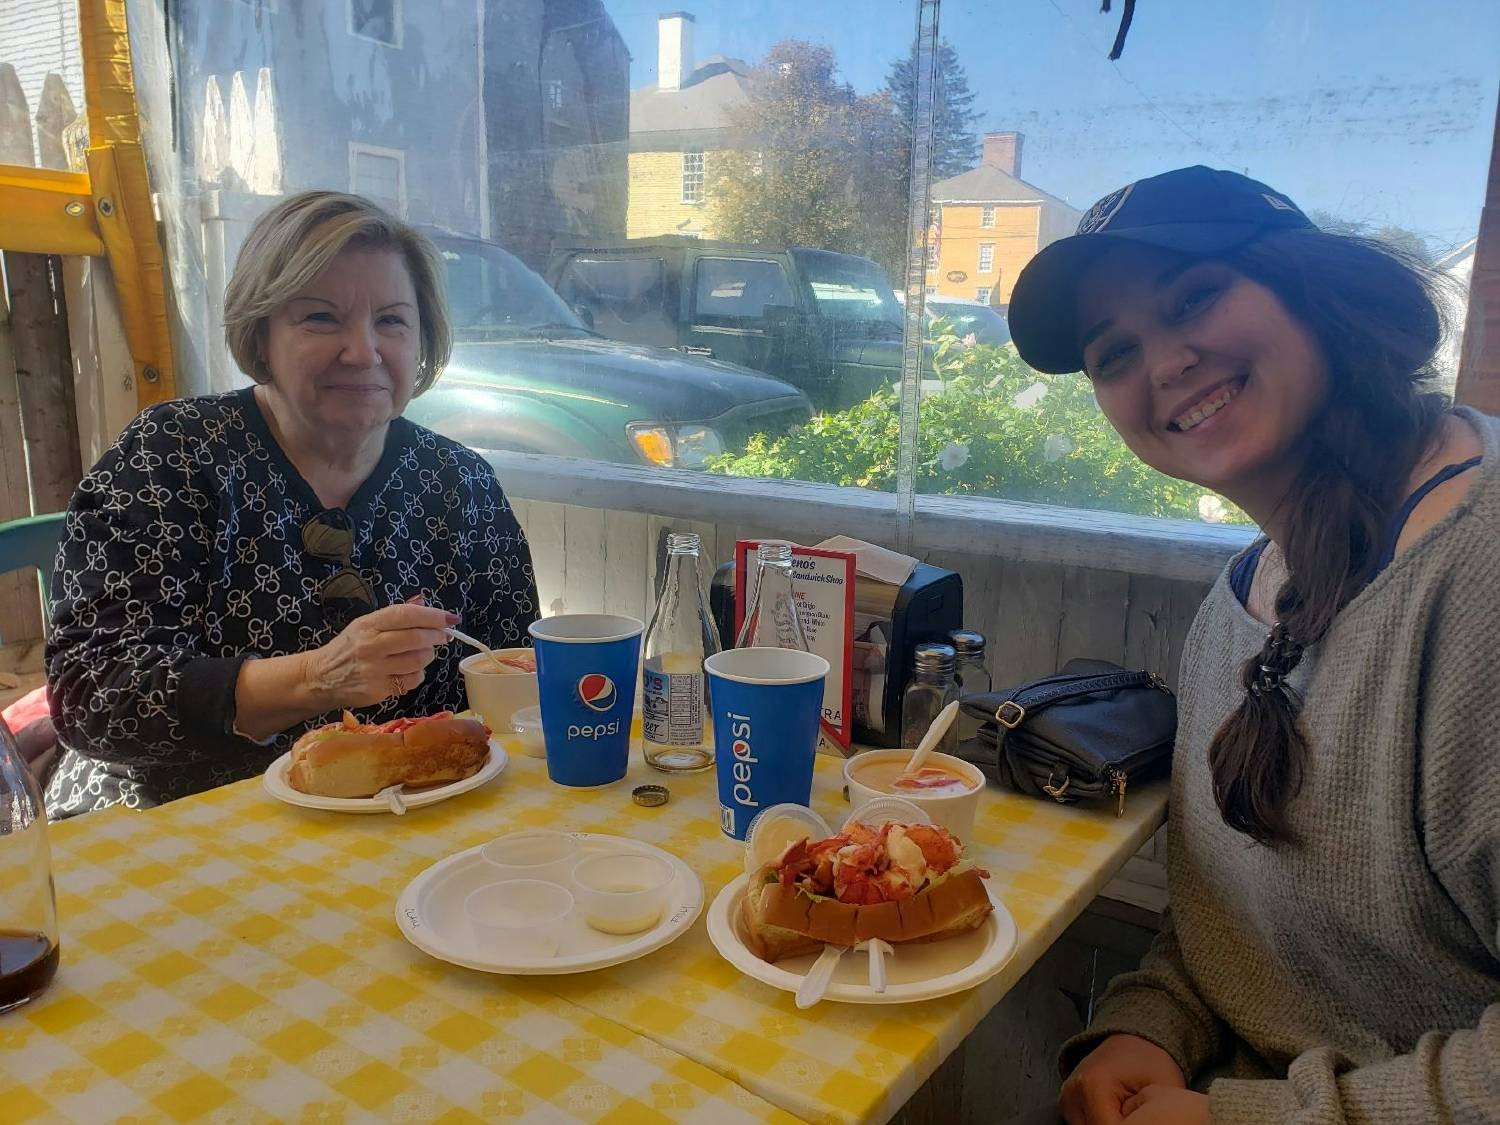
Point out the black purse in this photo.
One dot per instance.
(1087, 733)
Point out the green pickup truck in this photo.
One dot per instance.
(825, 322)
(528, 375)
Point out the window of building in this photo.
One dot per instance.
(987, 217)
(982, 294)
(379, 174)
(379, 20)
(986, 257)
(692, 175)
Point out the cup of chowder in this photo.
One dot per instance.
(946, 788)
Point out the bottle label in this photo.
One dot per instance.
(672, 707)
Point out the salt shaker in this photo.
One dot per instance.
(972, 676)
(932, 688)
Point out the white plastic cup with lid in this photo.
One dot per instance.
(777, 828)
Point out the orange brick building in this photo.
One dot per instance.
(988, 222)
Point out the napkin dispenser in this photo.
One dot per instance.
(889, 623)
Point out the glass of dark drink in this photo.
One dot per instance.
(28, 909)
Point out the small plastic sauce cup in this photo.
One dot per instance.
(519, 917)
(534, 853)
(623, 893)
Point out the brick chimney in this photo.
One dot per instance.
(1003, 151)
(674, 49)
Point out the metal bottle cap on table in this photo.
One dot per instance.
(650, 795)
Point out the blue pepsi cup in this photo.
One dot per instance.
(766, 706)
(586, 666)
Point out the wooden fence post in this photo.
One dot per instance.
(20, 607)
(44, 378)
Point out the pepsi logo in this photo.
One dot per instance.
(596, 691)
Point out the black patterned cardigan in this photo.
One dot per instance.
(182, 557)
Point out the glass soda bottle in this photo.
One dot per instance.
(28, 909)
(674, 708)
(771, 617)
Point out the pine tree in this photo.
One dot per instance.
(955, 148)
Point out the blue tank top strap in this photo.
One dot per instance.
(1243, 575)
(1442, 476)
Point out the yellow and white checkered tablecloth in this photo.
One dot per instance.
(229, 958)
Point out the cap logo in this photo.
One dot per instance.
(1279, 204)
(1100, 214)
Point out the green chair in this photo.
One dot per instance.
(32, 542)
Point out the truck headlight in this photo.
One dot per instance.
(674, 446)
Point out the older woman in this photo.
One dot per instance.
(239, 568)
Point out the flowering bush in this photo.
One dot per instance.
(991, 427)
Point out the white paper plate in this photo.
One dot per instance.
(430, 913)
(275, 784)
(914, 972)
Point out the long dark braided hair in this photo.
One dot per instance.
(1373, 312)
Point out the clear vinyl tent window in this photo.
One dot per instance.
(607, 149)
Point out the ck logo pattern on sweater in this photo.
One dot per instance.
(182, 555)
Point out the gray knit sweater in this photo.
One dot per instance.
(1355, 976)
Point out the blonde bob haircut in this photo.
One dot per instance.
(294, 241)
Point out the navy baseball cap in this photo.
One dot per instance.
(1198, 211)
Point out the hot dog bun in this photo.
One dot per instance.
(351, 759)
(901, 883)
(783, 921)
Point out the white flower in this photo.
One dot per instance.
(1056, 447)
(1211, 509)
(970, 340)
(954, 456)
(1031, 396)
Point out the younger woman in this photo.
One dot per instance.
(1333, 950)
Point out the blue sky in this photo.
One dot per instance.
(1380, 112)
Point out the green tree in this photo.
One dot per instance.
(813, 163)
(955, 147)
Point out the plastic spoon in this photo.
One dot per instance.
(391, 794)
(879, 951)
(930, 740)
(480, 645)
(470, 641)
(818, 978)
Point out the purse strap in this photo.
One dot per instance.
(1031, 698)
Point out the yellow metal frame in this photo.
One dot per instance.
(108, 211)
